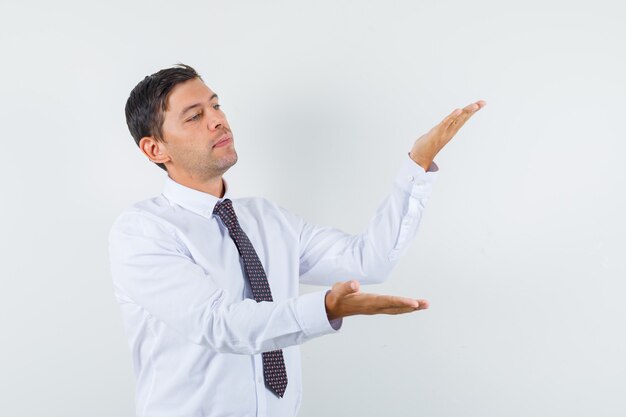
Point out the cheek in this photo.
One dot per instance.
(182, 144)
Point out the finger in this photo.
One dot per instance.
(457, 118)
(471, 107)
(475, 106)
(363, 303)
(397, 310)
(467, 112)
(421, 305)
(453, 118)
(449, 118)
(392, 301)
(345, 288)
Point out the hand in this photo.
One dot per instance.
(429, 144)
(345, 299)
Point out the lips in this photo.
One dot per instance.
(224, 140)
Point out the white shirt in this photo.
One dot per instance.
(195, 334)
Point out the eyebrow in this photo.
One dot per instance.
(193, 106)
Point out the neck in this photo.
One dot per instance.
(212, 185)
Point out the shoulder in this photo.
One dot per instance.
(144, 216)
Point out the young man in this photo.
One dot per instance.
(208, 285)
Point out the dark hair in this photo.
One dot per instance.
(148, 100)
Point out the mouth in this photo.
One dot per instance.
(223, 141)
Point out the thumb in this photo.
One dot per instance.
(345, 288)
(349, 287)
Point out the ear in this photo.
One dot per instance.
(153, 149)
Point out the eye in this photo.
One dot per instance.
(217, 106)
(194, 117)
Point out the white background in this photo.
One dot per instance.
(521, 250)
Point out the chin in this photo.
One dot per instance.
(226, 162)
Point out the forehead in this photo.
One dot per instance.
(186, 93)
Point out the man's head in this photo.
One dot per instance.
(176, 121)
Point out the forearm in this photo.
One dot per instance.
(330, 255)
(248, 327)
(153, 272)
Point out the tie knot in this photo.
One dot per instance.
(224, 209)
(225, 204)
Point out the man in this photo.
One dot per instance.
(208, 284)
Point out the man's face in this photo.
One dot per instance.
(197, 136)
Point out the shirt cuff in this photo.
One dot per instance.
(312, 315)
(412, 178)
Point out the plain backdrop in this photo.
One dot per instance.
(521, 251)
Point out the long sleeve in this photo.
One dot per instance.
(328, 255)
(194, 332)
(153, 269)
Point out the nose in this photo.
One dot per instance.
(216, 121)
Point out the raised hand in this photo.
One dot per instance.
(428, 145)
(345, 299)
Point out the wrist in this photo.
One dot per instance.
(421, 160)
(330, 304)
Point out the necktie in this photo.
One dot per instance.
(273, 362)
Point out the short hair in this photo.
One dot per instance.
(147, 102)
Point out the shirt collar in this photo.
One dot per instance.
(197, 201)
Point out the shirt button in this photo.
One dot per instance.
(410, 178)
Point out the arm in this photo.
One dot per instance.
(328, 255)
(152, 268)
